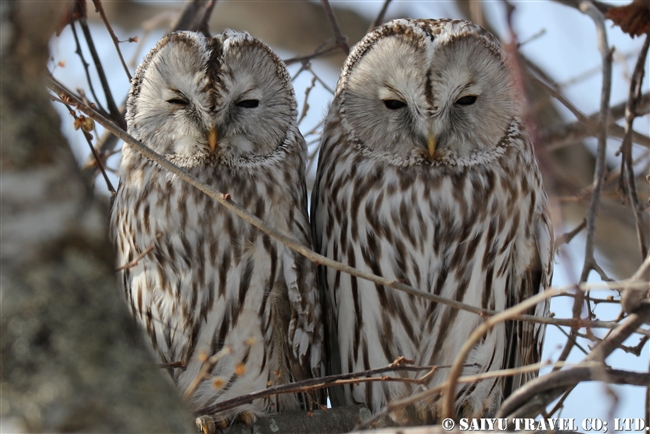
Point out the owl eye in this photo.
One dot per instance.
(394, 104)
(248, 103)
(467, 100)
(178, 101)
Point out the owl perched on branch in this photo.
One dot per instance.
(196, 276)
(426, 176)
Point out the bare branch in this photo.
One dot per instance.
(339, 38)
(208, 364)
(395, 405)
(85, 64)
(599, 6)
(401, 364)
(195, 14)
(535, 395)
(380, 17)
(568, 236)
(174, 365)
(100, 9)
(144, 253)
(628, 183)
(317, 53)
(633, 298)
(116, 116)
(599, 174)
(305, 105)
(88, 138)
(574, 132)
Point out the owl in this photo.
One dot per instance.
(426, 176)
(197, 277)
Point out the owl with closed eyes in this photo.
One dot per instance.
(426, 176)
(197, 277)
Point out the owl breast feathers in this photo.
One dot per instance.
(224, 110)
(426, 176)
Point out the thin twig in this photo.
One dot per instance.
(320, 80)
(193, 15)
(315, 54)
(568, 236)
(575, 341)
(85, 64)
(206, 367)
(530, 39)
(610, 299)
(88, 138)
(560, 402)
(305, 105)
(204, 25)
(628, 183)
(380, 16)
(600, 271)
(535, 395)
(593, 125)
(401, 403)
(340, 39)
(100, 9)
(400, 364)
(561, 136)
(600, 171)
(116, 116)
(173, 365)
(599, 176)
(144, 253)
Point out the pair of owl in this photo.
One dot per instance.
(425, 176)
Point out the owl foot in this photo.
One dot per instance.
(248, 417)
(210, 425)
(214, 424)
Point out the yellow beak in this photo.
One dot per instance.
(431, 144)
(212, 139)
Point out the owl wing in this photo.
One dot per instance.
(305, 332)
(524, 340)
(321, 219)
(305, 326)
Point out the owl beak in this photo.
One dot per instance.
(212, 138)
(431, 144)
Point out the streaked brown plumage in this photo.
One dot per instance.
(426, 176)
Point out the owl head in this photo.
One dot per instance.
(195, 97)
(426, 88)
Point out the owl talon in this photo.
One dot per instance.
(248, 417)
(206, 425)
(210, 424)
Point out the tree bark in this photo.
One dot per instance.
(72, 357)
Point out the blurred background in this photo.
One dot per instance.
(557, 45)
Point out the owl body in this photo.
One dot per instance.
(210, 281)
(468, 221)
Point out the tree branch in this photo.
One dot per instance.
(380, 17)
(628, 183)
(531, 399)
(339, 38)
(100, 9)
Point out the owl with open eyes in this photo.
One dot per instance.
(196, 276)
(427, 176)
